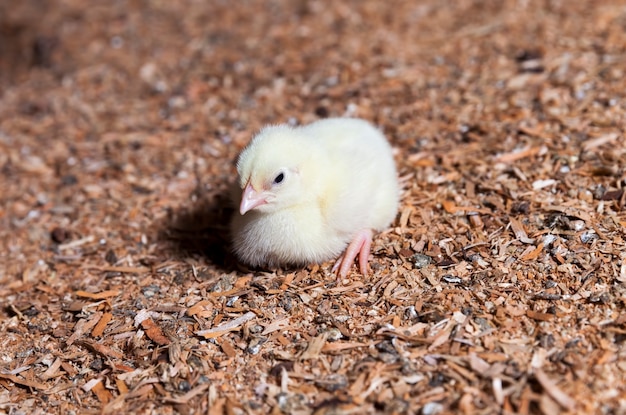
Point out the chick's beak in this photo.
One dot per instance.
(250, 199)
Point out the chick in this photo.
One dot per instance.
(314, 193)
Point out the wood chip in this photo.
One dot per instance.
(154, 332)
(102, 349)
(518, 155)
(83, 326)
(224, 328)
(98, 296)
(314, 347)
(181, 400)
(52, 371)
(228, 349)
(23, 382)
(202, 308)
(519, 231)
(98, 329)
(77, 243)
(104, 396)
(600, 141)
(553, 390)
(535, 315)
(533, 254)
(127, 270)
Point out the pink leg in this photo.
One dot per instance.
(360, 245)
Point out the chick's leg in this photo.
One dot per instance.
(360, 246)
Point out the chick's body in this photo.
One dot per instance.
(309, 191)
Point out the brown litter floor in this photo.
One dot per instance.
(501, 287)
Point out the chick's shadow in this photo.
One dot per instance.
(202, 229)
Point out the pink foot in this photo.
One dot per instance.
(360, 246)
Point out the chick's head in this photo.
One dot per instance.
(274, 170)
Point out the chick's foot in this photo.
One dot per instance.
(360, 246)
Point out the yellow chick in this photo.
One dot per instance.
(314, 193)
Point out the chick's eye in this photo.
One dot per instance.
(278, 179)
